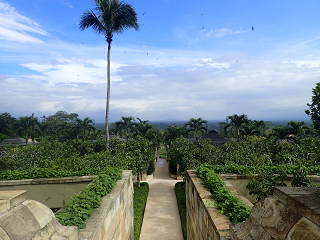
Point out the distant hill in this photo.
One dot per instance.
(172, 120)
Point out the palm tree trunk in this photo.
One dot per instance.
(108, 96)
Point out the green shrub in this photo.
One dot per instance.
(181, 201)
(150, 169)
(230, 206)
(139, 202)
(80, 207)
(3, 137)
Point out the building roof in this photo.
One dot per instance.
(216, 138)
(14, 140)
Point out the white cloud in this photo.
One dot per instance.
(64, 70)
(49, 106)
(16, 27)
(218, 33)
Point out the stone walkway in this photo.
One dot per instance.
(161, 218)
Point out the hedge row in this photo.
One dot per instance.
(230, 206)
(181, 201)
(139, 202)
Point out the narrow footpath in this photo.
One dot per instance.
(161, 218)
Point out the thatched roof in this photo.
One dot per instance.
(14, 140)
(215, 137)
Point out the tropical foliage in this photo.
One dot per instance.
(235, 121)
(229, 205)
(198, 127)
(314, 108)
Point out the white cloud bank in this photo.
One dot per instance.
(16, 27)
(261, 89)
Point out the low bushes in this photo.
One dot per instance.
(181, 201)
(139, 201)
(231, 206)
(49, 173)
(252, 152)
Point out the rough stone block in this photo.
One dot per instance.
(304, 230)
(238, 231)
(41, 212)
(15, 197)
(278, 219)
(4, 235)
(19, 223)
(4, 206)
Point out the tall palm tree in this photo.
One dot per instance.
(28, 126)
(281, 132)
(126, 125)
(109, 17)
(236, 121)
(197, 126)
(84, 127)
(296, 127)
(172, 132)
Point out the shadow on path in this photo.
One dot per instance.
(161, 218)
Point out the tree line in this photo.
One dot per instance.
(66, 126)
(60, 126)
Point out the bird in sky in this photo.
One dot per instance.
(203, 28)
(252, 28)
(143, 13)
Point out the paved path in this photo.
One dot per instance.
(161, 218)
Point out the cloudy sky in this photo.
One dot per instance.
(189, 59)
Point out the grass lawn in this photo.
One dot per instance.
(139, 201)
(181, 200)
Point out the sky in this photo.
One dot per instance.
(189, 59)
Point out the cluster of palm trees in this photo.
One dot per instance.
(127, 128)
(60, 126)
(238, 126)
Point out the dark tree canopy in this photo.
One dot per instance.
(314, 108)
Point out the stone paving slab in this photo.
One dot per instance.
(161, 219)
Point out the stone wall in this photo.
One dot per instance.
(53, 192)
(114, 218)
(28, 219)
(292, 213)
(23, 219)
(203, 219)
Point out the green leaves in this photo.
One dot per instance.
(231, 206)
(139, 202)
(181, 201)
(314, 111)
(80, 207)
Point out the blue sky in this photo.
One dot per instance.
(189, 59)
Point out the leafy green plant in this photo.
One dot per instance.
(264, 181)
(80, 207)
(181, 201)
(231, 206)
(139, 201)
(150, 169)
(3, 137)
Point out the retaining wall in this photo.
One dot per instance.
(203, 219)
(25, 219)
(292, 213)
